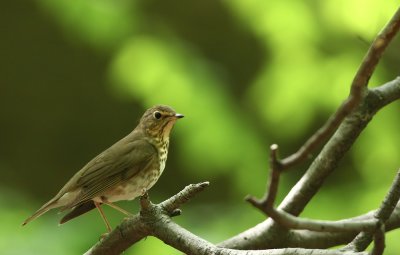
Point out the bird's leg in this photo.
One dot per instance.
(117, 208)
(103, 216)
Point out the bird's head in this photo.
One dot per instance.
(159, 120)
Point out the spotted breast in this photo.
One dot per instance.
(163, 153)
(135, 186)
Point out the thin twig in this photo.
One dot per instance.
(387, 207)
(387, 93)
(293, 222)
(322, 240)
(273, 183)
(173, 203)
(276, 168)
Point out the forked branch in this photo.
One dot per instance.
(382, 214)
(154, 220)
(358, 91)
(139, 226)
(358, 109)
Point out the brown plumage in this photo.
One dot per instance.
(122, 172)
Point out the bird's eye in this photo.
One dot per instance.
(157, 115)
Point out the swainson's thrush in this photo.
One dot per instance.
(124, 171)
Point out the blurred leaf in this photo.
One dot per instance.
(102, 23)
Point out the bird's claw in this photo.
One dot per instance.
(144, 192)
(104, 235)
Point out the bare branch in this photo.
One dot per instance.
(379, 45)
(178, 237)
(138, 226)
(379, 241)
(173, 203)
(121, 238)
(357, 91)
(383, 213)
(264, 235)
(312, 239)
(185, 241)
(154, 220)
(387, 93)
(273, 183)
(293, 222)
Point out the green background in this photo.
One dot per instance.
(75, 76)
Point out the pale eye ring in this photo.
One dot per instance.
(157, 115)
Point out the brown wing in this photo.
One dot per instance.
(115, 165)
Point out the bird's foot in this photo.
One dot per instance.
(144, 192)
(127, 218)
(175, 213)
(104, 235)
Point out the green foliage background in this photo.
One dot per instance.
(77, 75)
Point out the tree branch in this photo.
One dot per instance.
(138, 226)
(185, 241)
(292, 222)
(379, 241)
(358, 89)
(313, 239)
(264, 235)
(268, 200)
(383, 213)
(154, 220)
(173, 203)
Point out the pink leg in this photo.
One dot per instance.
(103, 216)
(117, 208)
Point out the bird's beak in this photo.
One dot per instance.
(179, 116)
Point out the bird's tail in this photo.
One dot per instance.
(48, 206)
(78, 210)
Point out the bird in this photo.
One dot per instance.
(124, 171)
